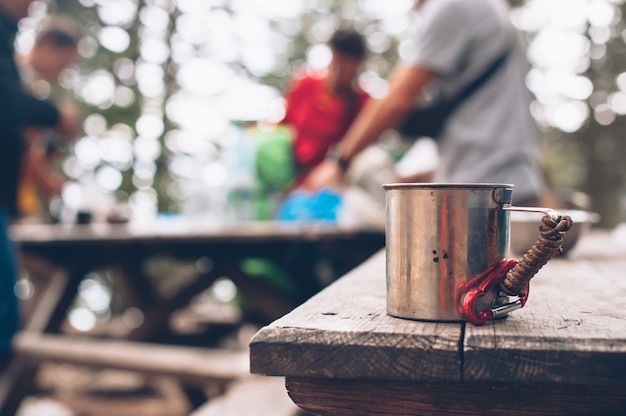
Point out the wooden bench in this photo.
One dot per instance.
(189, 365)
(245, 394)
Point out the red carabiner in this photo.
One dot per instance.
(479, 286)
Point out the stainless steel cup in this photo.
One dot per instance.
(438, 237)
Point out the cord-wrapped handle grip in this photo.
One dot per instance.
(548, 245)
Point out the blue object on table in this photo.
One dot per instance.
(301, 206)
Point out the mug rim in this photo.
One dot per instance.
(436, 185)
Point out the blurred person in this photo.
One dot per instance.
(491, 136)
(18, 109)
(55, 49)
(320, 106)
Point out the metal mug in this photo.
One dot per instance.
(441, 236)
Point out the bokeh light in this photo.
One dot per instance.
(164, 81)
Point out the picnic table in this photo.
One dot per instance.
(78, 249)
(564, 353)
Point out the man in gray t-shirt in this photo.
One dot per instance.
(491, 136)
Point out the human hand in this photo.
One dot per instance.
(326, 174)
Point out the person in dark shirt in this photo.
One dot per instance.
(18, 110)
(55, 49)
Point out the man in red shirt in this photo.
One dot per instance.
(321, 106)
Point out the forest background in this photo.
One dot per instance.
(162, 83)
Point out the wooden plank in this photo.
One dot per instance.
(345, 332)
(258, 396)
(185, 230)
(371, 397)
(572, 330)
(190, 365)
(47, 302)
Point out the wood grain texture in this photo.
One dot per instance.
(372, 398)
(564, 353)
(572, 330)
(345, 332)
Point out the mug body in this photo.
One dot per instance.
(438, 237)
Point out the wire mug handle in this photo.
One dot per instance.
(512, 277)
(553, 227)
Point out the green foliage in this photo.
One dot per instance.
(589, 159)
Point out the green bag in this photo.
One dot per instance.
(274, 157)
(274, 165)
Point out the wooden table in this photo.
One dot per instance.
(80, 249)
(564, 353)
